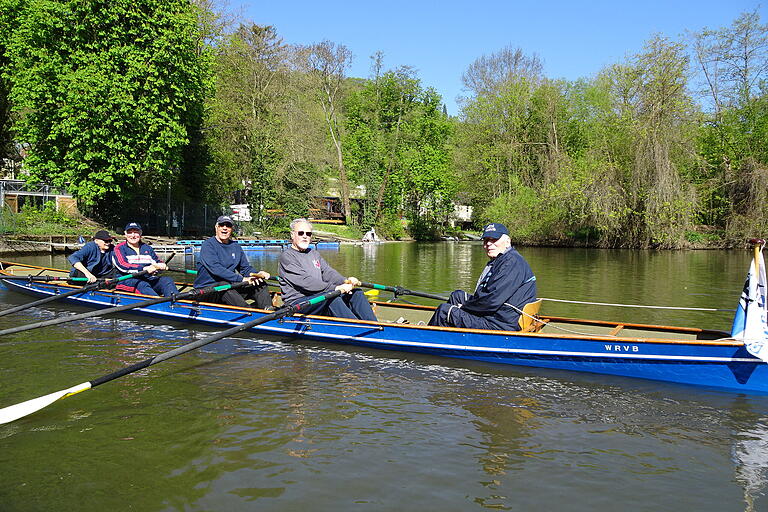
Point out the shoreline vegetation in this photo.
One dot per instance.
(20, 232)
(136, 106)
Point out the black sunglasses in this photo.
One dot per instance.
(302, 233)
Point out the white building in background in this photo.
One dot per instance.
(461, 214)
(241, 212)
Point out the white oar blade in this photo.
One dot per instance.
(14, 412)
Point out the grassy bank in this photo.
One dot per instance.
(44, 220)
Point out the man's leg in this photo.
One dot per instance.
(457, 317)
(259, 294)
(358, 304)
(164, 286)
(142, 286)
(442, 314)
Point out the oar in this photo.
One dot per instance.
(399, 290)
(45, 279)
(22, 409)
(94, 286)
(196, 292)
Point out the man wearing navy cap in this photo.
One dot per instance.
(134, 256)
(222, 260)
(505, 286)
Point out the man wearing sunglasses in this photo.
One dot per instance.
(304, 273)
(223, 260)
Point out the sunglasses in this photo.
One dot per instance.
(302, 233)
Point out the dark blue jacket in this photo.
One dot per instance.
(221, 262)
(98, 263)
(508, 280)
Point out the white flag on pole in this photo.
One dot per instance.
(751, 321)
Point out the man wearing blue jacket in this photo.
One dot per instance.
(505, 286)
(222, 260)
(94, 259)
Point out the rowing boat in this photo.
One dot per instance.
(682, 355)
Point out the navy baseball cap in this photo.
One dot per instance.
(225, 219)
(133, 225)
(494, 230)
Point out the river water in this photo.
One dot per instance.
(283, 425)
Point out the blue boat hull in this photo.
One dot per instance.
(723, 364)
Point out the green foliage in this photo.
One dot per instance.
(341, 230)
(396, 144)
(391, 226)
(43, 220)
(245, 130)
(105, 93)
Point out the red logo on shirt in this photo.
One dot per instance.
(316, 263)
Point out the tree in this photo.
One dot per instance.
(245, 130)
(396, 144)
(10, 10)
(327, 63)
(106, 94)
(733, 68)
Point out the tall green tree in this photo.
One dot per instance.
(106, 93)
(10, 10)
(733, 69)
(245, 131)
(396, 144)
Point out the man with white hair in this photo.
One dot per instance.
(505, 286)
(304, 273)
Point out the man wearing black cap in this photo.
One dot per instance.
(223, 260)
(505, 286)
(94, 259)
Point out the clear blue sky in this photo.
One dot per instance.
(441, 39)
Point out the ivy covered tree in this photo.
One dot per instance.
(106, 93)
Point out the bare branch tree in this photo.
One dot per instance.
(485, 74)
(327, 63)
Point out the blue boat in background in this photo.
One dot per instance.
(260, 245)
(682, 355)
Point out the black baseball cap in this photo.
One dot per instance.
(103, 235)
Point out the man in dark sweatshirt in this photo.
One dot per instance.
(304, 273)
(94, 259)
(505, 286)
(222, 260)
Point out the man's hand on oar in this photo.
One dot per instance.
(22, 409)
(197, 292)
(107, 283)
(399, 290)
